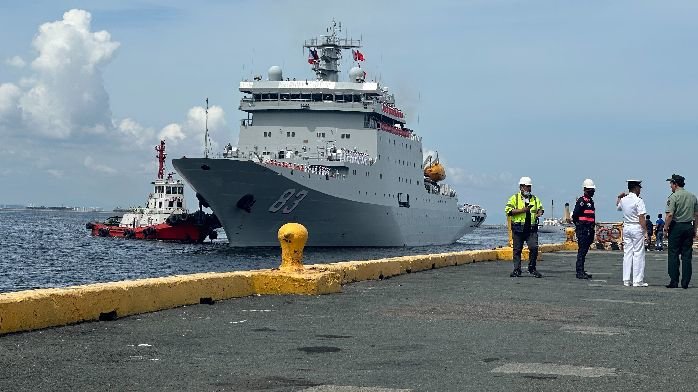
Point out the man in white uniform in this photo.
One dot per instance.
(634, 234)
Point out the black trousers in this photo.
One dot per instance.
(531, 239)
(680, 244)
(585, 237)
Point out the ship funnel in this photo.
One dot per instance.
(275, 73)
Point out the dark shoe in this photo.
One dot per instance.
(515, 274)
(583, 275)
(672, 285)
(684, 286)
(535, 273)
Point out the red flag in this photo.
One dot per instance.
(313, 57)
(358, 56)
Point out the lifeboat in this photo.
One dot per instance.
(435, 172)
(433, 169)
(164, 217)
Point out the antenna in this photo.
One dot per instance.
(206, 139)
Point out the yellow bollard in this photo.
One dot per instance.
(569, 234)
(292, 237)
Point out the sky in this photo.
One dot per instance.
(556, 90)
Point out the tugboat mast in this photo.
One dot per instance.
(161, 159)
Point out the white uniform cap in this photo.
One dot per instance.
(588, 184)
(525, 181)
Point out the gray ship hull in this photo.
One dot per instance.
(253, 200)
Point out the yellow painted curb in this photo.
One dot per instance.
(35, 309)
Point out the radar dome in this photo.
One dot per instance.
(275, 73)
(356, 74)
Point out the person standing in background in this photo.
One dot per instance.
(659, 227)
(681, 216)
(634, 234)
(524, 209)
(584, 218)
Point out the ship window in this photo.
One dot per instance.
(367, 121)
(306, 97)
(160, 204)
(353, 172)
(171, 203)
(317, 97)
(381, 176)
(357, 98)
(168, 190)
(257, 97)
(288, 134)
(328, 97)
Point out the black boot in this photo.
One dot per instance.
(583, 275)
(534, 272)
(515, 274)
(672, 285)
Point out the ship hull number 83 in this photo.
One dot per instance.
(288, 201)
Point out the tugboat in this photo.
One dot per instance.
(165, 216)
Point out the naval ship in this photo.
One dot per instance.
(335, 156)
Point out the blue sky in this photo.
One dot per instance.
(556, 90)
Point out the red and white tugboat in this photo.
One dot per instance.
(165, 216)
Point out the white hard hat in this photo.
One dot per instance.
(588, 184)
(525, 181)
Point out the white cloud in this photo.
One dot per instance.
(91, 164)
(16, 62)
(172, 132)
(55, 173)
(65, 94)
(135, 132)
(9, 100)
(193, 128)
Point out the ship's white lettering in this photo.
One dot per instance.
(285, 197)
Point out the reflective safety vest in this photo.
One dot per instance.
(516, 201)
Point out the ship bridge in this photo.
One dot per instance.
(322, 95)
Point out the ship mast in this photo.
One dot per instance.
(161, 159)
(206, 139)
(330, 47)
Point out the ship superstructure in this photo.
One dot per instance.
(335, 156)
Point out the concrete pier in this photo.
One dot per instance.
(467, 327)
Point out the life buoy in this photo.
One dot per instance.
(603, 235)
(614, 232)
(103, 232)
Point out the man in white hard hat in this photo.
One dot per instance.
(524, 209)
(584, 218)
